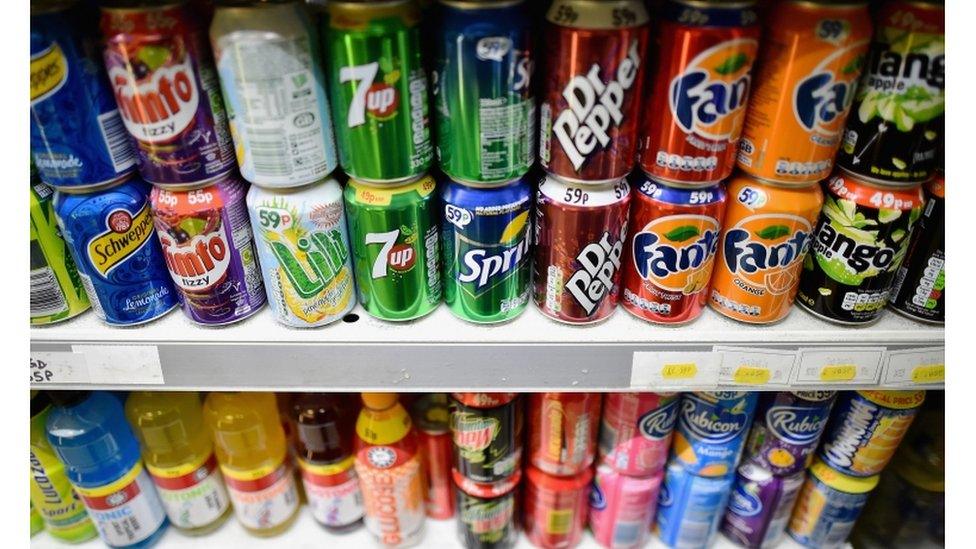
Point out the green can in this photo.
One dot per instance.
(56, 292)
(378, 90)
(393, 233)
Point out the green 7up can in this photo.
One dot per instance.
(395, 247)
(379, 90)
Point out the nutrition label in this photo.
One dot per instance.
(506, 137)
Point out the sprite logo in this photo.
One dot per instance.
(483, 266)
(473, 433)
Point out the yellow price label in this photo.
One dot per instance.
(751, 375)
(686, 370)
(928, 373)
(838, 372)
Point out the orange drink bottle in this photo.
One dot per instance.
(766, 234)
(812, 55)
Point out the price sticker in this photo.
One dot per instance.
(842, 366)
(924, 366)
(681, 370)
(838, 372)
(755, 367)
(657, 370)
(57, 367)
(751, 375)
(115, 364)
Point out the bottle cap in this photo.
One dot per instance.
(379, 401)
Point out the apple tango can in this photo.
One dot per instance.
(562, 431)
(699, 90)
(690, 507)
(858, 246)
(56, 292)
(670, 252)
(828, 506)
(918, 291)
(711, 430)
(206, 237)
(636, 431)
(591, 88)
(488, 513)
(487, 432)
(760, 506)
(765, 237)
(812, 56)
(555, 507)
(579, 246)
(431, 416)
(788, 428)
(623, 507)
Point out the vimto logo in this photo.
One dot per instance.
(160, 106)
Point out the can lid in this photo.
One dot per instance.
(129, 177)
(840, 481)
(597, 14)
(226, 177)
(379, 401)
(558, 484)
(486, 490)
(484, 400)
(896, 400)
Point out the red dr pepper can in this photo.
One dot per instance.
(580, 234)
(555, 507)
(699, 91)
(594, 72)
(431, 415)
(562, 431)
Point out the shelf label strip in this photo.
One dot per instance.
(839, 366)
(755, 367)
(114, 364)
(675, 370)
(57, 367)
(924, 366)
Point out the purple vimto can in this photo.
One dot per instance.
(787, 429)
(760, 506)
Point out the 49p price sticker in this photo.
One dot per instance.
(58, 367)
(675, 370)
(925, 366)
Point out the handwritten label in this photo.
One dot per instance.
(925, 366)
(841, 366)
(57, 367)
(755, 366)
(686, 370)
(675, 370)
(838, 372)
(751, 375)
(928, 373)
(128, 364)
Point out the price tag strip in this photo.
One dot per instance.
(924, 366)
(675, 370)
(755, 367)
(839, 366)
(98, 365)
(58, 367)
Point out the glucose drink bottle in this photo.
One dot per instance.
(253, 457)
(101, 458)
(180, 458)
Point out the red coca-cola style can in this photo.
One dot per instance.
(562, 431)
(593, 75)
(699, 90)
(555, 507)
(431, 415)
(580, 235)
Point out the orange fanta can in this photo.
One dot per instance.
(766, 234)
(813, 52)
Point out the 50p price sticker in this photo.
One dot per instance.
(925, 366)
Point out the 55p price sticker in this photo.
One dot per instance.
(58, 367)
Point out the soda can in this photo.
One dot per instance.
(622, 507)
(670, 253)
(828, 506)
(866, 428)
(77, 138)
(562, 431)
(857, 248)
(760, 506)
(206, 238)
(636, 431)
(591, 88)
(56, 292)
(811, 59)
(483, 93)
(488, 514)
(787, 429)
(378, 90)
(699, 90)
(487, 264)
(109, 232)
(303, 251)
(555, 508)
(765, 238)
(393, 235)
(579, 240)
(269, 62)
(900, 105)
(918, 290)
(431, 414)
(487, 432)
(690, 507)
(711, 430)
(165, 85)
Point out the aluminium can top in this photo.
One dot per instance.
(598, 14)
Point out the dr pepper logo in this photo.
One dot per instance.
(676, 252)
(822, 98)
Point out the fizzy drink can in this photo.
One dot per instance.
(711, 431)
(787, 429)
(857, 248)
(827, 507)
(866, 428)
(487, 264)
(623, 507)
(162, 74)
(760, 506)
(303, 250)
(77, 137)
(918, 291)
(269, 62)
(636, 431)
(432, 414)
(699, 90)
(897, 126)
(488, 514)
(690, 507)
(206, 238)
(579, 246)
(555, 508)
(765, 238)
(812, 56)
(395, 243)
(562, 431)
(487, 432)
(670, 253)
(378, 90)
(483, 90)
(109, 232)
(591, 88)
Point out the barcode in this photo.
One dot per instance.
(269, 151)
(117, 139)
(46, 297)
(626, 533)
(92, 296)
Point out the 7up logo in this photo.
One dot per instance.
(379, 99)
(392, 255)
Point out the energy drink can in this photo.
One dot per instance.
(918, 291)
(487, 433)
(488, 513)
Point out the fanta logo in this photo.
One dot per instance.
(381, 457)
(855, 431)
(597, 498)
(484, 267)
(795, 424)
(48, 72)
(658, 423)
(766, 250)
(744, 503)
(382, 100)
(856, 256)
(709, 98)
(124, 236)
(158, 108)
(819, 100)
(473, 433)
(493, 516)
(670, 248)
(700, 419)
(200, 263)
(598, 261)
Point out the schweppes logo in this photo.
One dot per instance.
(48, 72)
(124, 236)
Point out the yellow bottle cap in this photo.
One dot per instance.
(379, 401)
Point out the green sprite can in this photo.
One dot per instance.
(393, 233)
(378, 89)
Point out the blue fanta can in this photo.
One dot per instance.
(690, 507)
(111, 238)
(711, 430)
(101, 458)
(77, 137)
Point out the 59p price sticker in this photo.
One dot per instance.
(58, 367)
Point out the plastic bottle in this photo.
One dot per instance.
(253, 457)
(389, 469)
(179, 456)
(89, 434)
